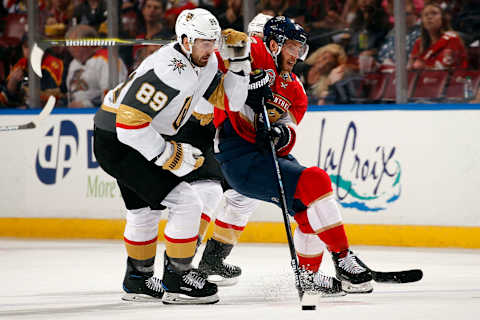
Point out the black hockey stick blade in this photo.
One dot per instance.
(405, 276)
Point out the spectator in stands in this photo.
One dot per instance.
(349, 11)
(232, 17)
(56, 17)
(273, 7)
(91, 12)
(389, 4)
(386, 55)
(438, 46)
(173, 9)
(370, 28)
(323, 68)
(216, 7)
(154, 27)
(324, 14)
(87, 77)
(14, 93)
(18, 6)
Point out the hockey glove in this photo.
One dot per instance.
(258, 90)
(179, 158)
(235, 47)
(280, 135)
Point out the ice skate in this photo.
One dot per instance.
(318, 283)
(141, 286)
(213, 265)
(355, 276)
(187, 287)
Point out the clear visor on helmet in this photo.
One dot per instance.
(206, 44)
(296, 48)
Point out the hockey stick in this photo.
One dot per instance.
(283, 204)
(39, 48)
(47, 109)
(404, 276)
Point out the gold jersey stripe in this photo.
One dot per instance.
(132, 117)
(141, 252)
(218, 96)
(180, 250)
(108, 109)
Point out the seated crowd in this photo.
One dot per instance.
(351, 57)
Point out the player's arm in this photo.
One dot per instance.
(146, 98)
(231, 87)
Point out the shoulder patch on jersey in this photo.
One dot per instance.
(149, 94)
(177, 65)
(272, 76)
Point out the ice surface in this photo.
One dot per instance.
(82, 280)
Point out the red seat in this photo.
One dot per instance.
(15, 28)
(390, 93)
(376, 83)
(456, 85)
(430, 85)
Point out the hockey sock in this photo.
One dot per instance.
(335, 239)
(204, 222)
(226, 232)
(310, 263)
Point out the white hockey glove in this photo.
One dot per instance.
(180, 158)
(235, 47)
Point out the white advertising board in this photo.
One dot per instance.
(387, 167)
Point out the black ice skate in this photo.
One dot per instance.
(141, 286)
(318, 283)
(212, 264)
(356, 277)
(187, 287)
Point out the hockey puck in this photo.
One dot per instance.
(309, 302)
(309, 307)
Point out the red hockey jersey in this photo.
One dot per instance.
(288, 106)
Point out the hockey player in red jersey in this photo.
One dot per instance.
(242, 151)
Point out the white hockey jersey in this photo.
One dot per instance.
(160, 96)
(88, 82)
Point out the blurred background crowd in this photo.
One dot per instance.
(351, 47)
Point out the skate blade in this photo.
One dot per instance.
(221, 281)
(332, 295)
(178, 298)
(137, 297)
(349, 287)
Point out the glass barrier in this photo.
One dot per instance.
(351, 58)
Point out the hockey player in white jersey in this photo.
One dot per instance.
(156, 100)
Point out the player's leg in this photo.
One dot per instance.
(156, 188)
(310, 249)
(211, 194)
(182, 283)
(229, 224)
(140, 237)
(322, 217)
